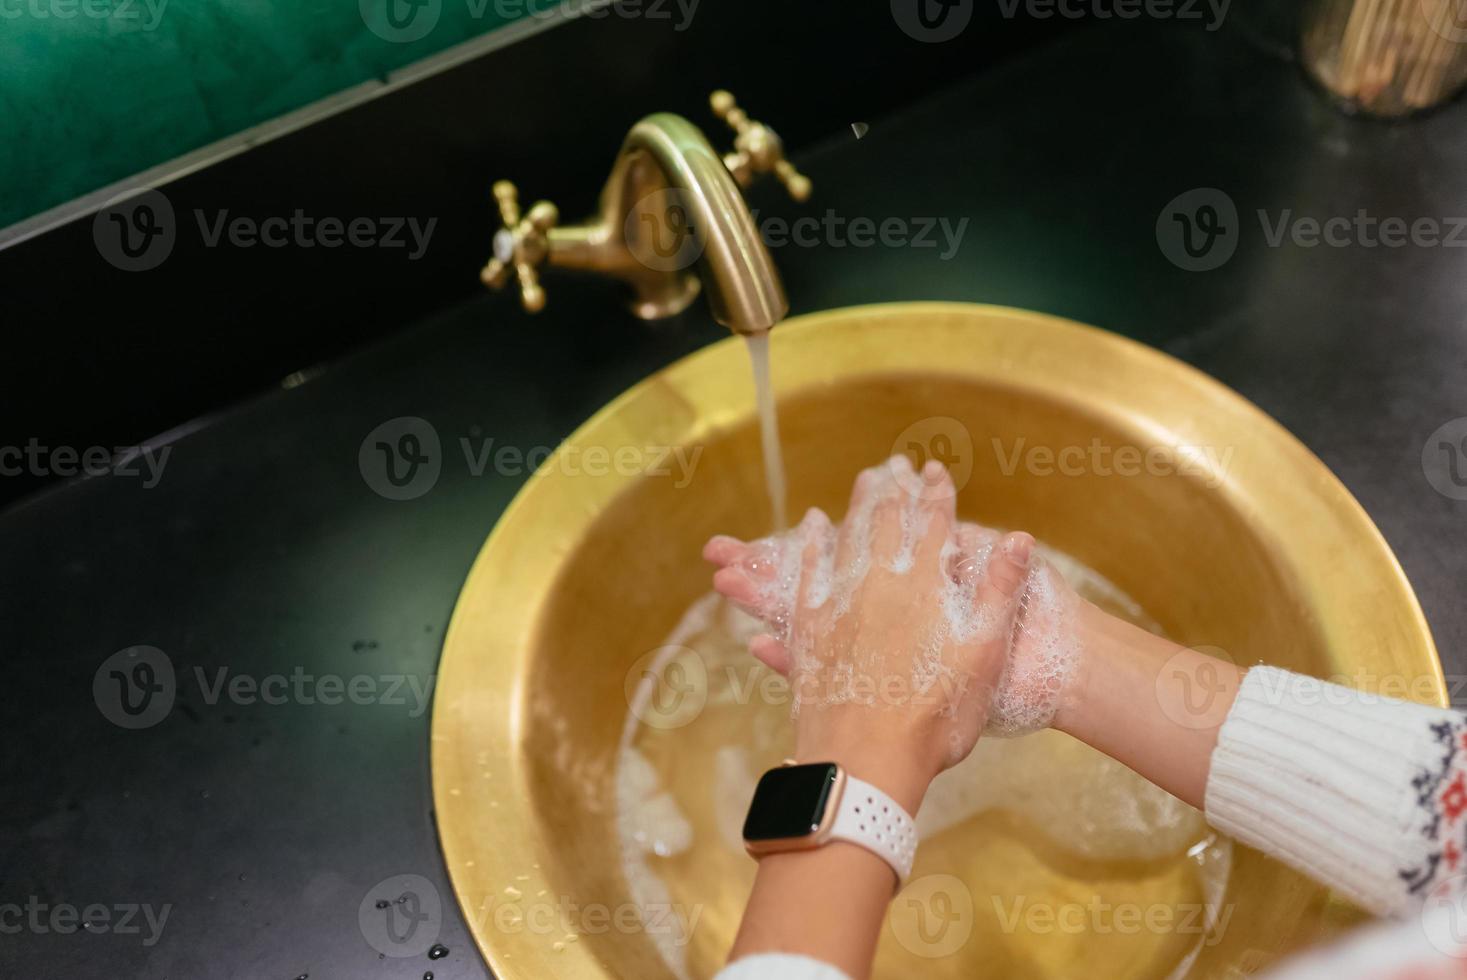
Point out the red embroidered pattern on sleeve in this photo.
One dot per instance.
(1441, 796)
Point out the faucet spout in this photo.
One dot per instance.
(670, 216)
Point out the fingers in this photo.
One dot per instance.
(1002, 586)
(768, 577)
(724, 550)
(771, 653)
(937, 494)
(817, 556)
(937, 504)
(893, 513)
(748, 572)
(870, 484)
(854, 539)
(973, 543)
(734, 584)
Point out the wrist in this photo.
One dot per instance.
(1148, 703)
(1094, 629)
(899, 771)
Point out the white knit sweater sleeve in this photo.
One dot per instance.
(1428, 948)
(779, 966)
(1363, 793)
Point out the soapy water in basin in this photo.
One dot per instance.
(1057, 853)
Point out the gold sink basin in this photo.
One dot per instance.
(1214, 520)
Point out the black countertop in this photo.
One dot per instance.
(266, 831)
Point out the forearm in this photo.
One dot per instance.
(826, 904)
(1353, 789)
(1149, 703)
(829, 903)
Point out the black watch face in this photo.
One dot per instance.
(790, 802)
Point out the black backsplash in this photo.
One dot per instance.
(108, 357)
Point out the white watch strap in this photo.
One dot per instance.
(875, 821)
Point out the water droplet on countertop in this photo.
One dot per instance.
(383, 903)
(438, 951)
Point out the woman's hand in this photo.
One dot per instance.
(1042, 681)
(894, 629)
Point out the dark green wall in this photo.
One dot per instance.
(93, 91)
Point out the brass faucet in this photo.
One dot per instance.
(671, 206)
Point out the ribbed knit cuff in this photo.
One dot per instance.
(1363, 793)
(779, 966)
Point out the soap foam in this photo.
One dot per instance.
(1043, 645)
(1042, 658)
(803, 563)
(650, 822)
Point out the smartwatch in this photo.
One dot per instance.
(801, 807)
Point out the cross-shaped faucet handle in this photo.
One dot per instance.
(520, 246)
(757, 149)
